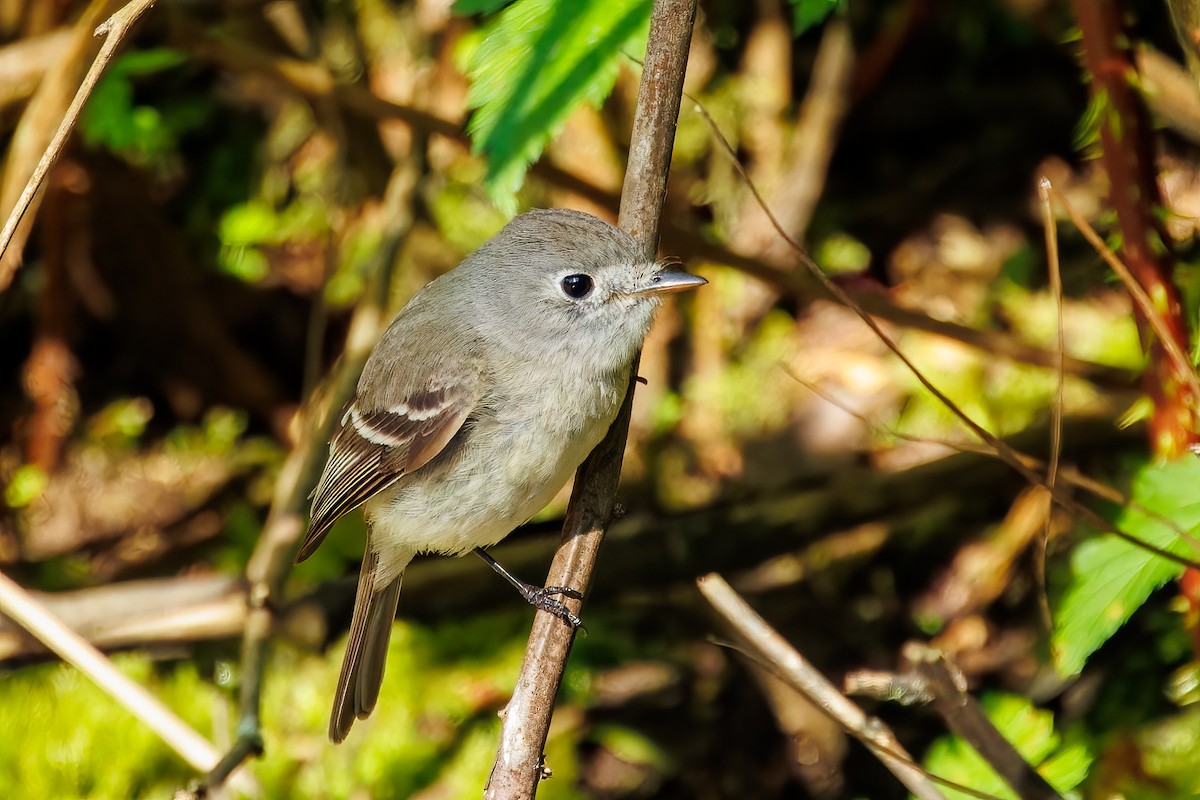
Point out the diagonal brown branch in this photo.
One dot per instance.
(526, 725)
(791, 667)
(22, 608)
(966, 718)
(115, 29)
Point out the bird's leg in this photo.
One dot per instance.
(535, 596)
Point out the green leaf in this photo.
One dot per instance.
(467, 7)
(27, 483)
(807, 13)
(1063, 763)
(1111, 578)
(253, 222)
(538, 60)
(144, 135)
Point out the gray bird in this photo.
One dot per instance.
(482, 397)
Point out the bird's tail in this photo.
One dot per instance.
(366, 651)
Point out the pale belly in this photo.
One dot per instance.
(480, 499)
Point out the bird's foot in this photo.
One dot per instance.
(544, 599)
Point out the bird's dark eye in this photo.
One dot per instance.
(577, 286)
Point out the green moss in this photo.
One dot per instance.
(64, 738)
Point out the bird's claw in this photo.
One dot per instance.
(565, 591)
(543, 599)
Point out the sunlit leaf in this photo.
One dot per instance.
(808, 13)
(27, 483)
(1111, 578)
(1064, 764)
(537, 61)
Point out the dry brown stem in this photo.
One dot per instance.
(1056, 288)
(114, 29)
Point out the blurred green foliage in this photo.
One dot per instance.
(436, 722)
(752, 393)
(479, 6)
(809, 13)
(145, 135)
(1169, 767)
(25, 485)
(77, 742)
(247, 228)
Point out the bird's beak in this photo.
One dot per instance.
(669, 281)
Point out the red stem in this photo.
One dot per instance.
(1129, 161)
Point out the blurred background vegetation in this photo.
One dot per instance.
(251, 180)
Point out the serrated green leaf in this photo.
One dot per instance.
(1064, 764)
(538, 60)
(1111, 578)
(807, 13)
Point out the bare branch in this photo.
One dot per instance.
(963, 715)
(22, 608)
(115, 29)
(518, 765)
(797, 672)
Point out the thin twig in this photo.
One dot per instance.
(1056, 290)
(1071, 477)
(1137, 292)
(793, 668)
(115, 29)
(964, 716)
(1002, 449)
(24, 609)
(526, 724)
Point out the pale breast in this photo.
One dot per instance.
(509, 466)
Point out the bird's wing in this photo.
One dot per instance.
(375, 447)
